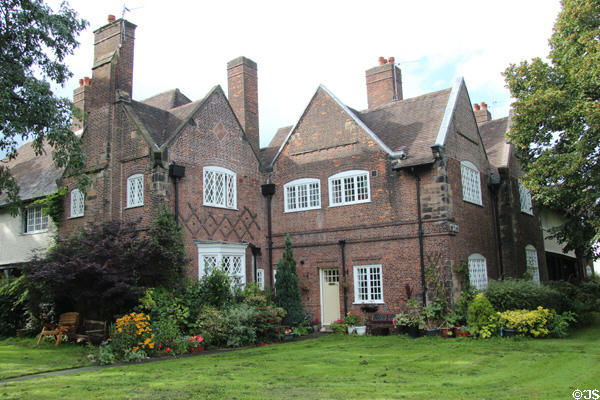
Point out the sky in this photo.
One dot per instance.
(299, 45)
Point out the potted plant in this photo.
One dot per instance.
(430, 314)
(355, 323)
(315, 324)
(401, 322)
(196, 344)
(447, 328)
(338, 326)
(415, 320)
(289, 335)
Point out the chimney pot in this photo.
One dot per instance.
(81, 82)
(483, 106)
(391, 60)
(382, 61)
(476, 107)
(111, 19)
(87, 81)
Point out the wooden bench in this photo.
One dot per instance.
(93, 331)
(67, 325)
(380, 324)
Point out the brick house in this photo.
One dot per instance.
(371, 198)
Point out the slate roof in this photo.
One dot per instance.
(411, 124)
(493, 134)
(167, 100)
(35, 175)
(268, 153)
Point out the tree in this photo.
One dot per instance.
(287, 292)
(34, 41)
(101, 271)
(556, 124)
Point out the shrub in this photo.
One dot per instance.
(287, 292)
(167, 333)
(560, 324)
(528, 322)
(100, 270)
(268, 324)
(131, 333)
(216, 288)
(13, 305)
(338, 326)
(211, 325)
(516, 294)
(240, 325)
(482, 318)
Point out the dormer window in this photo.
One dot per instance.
(302, 194)
(350, 187)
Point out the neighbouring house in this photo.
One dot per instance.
(371, 199)
(31, 230)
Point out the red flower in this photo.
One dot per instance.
(168, 349)
(160, 346)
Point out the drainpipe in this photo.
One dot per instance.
(176, 172)
(420, 222)
(342, 244)
(496, 209)
(268, 190)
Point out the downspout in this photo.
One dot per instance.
(342, 244)
(420, 222)
(268, 190)
(495, 192)
(176, 172)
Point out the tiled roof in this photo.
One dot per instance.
(167, 100)
(410, 125)
(35, 175)
(493, 134)
(268, 153)
(160, 124)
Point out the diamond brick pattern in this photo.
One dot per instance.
(236, 229)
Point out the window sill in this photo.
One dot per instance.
(527, 213)
(135, 206)
(368, 302)
(475, 204)
(350, 204)
(34, 233)
(77, 216)
(303, 209)
(223, 207)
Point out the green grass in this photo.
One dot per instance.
(22, 357)
(342, 367)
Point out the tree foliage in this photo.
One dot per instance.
(556, 123)
(101, 271)
(287, 291)
(34, 41)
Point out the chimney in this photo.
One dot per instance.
(384, 83)
(113, 61)
(481, 113)
(81, 103)
(242, 82)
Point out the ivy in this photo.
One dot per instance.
(52, 204)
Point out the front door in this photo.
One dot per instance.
(330, 296)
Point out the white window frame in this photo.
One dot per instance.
(292, 195)
(471, 182)
(374, 287)
(525, 199)
(228, 187)
(77, 203)
(260, 278)
(346, 197)
(222, 253)
(531, 260)
(478, 271)
(34, 220)
(135, 190)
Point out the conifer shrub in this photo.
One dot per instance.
(287, 291)
(482, 318)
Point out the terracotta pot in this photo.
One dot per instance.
(198, 349)
(447, 332)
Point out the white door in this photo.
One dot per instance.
(330, 296)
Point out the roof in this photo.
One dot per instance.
(405, 129)
(409, 125)
(493, 134)
(268, 153)
(167, 100)
(35, 175)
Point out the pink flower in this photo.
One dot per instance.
(160, 346)
(168, 349)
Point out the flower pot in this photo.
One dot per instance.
(459, 332)
(447, 332)
(413, 331)
(315, 328)
(506, 332)
(359, 330)
(432, 331)
(401, 329)
(288, 336)
(198, 349)
(351, 329)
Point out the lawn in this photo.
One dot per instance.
(22, 357)
(342, 367)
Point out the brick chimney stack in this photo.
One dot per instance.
(81, 101)
(112, 70)
(481, 113)
(242, 83)
(384, 83)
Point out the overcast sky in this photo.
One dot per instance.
(299, 45)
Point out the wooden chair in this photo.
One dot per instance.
(67, 325)
(93, 331)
